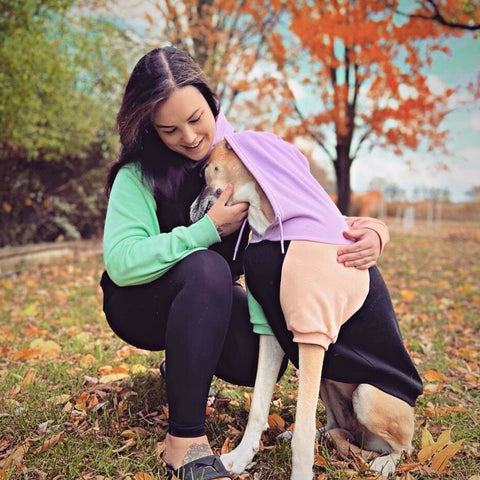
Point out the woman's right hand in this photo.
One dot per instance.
(227, 218)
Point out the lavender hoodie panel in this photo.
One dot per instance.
(303, 210)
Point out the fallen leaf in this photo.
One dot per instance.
(432, 376)
(427, 438)
(113, 377)
(319, 460)
(50, 442)
(47, 348)
(275, 421)
(131, 442)
(134, 432)
(58, 399)
(248, 401)
(137, 368)
(441, 460)
(16, 457)
(426, 452)
(142, 476)
(226, 447)
(29, 378)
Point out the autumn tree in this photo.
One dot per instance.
(226, 37)
(463, 15)
(365, 81)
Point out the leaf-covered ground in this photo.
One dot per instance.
(78, 403)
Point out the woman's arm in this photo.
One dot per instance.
(370, 235)
(135, 251)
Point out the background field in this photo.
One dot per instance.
(77, 403)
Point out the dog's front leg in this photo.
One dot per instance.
(269, 362)
(303, 441)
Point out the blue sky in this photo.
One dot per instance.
(462, 66)
(463, 124)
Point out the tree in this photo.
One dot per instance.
(463, 15)
(59, 90)
(366, 82)
(226, 37)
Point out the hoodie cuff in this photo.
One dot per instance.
(204, 232)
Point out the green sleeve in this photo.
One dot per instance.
(134, 249)
(257, 317)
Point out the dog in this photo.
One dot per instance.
(361, 418)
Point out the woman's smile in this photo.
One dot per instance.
(185, 123)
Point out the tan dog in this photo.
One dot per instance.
(360, 417)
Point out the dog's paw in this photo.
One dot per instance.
(237, 461)
(385, 464)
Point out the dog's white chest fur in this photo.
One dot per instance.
(256, 218)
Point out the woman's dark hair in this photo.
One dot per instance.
(153, 80)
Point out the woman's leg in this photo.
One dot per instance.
(187, 311)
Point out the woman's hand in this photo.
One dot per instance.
(227, 218)
(364, 252)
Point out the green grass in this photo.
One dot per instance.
(114, 430)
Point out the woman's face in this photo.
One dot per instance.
(185, 123)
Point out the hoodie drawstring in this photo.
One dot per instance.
(237, 245)
(280, 224)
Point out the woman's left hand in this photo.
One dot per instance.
(364, 252)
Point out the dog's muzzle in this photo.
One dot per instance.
(203, 203)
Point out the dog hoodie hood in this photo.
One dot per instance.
(303, 210)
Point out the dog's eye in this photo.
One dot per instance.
(227, 146)
(216, 169)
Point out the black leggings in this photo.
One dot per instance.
(201, 319)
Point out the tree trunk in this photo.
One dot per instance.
(342, 169)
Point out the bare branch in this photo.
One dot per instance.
(436, 16)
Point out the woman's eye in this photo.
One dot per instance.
(169, 131)
(195, 120)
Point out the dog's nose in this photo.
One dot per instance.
(218, 192)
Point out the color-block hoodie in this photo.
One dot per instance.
(318, 295)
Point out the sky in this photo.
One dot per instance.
(462, 66)
(463, 124)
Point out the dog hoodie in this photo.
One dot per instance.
(317, 294)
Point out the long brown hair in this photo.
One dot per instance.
(156, 75)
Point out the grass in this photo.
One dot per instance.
(63, 414)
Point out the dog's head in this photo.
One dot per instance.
(223, 167)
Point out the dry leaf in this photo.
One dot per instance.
(427, 438)
(432, 376)
(248, 401)
(319, 460)
(142, 476)
(131, 442)
(226, 447)
(58, 399)
(50, 442)
(29, 378)
(441, 460)
(47, 348)
(113, 377)
(275, 421)
(16, 457)
(137, 368)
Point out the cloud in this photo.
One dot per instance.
(473, 122)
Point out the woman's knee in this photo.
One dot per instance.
(209, 271)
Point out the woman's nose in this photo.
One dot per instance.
(189, 135)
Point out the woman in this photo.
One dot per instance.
(170, 285)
